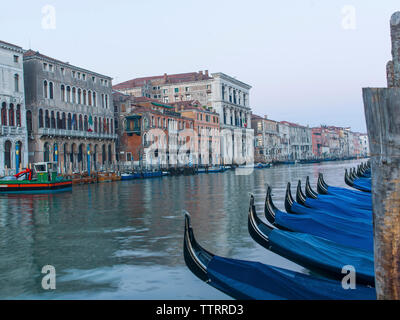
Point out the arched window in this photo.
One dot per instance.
(69, 122)
(104, 154)
(104, 125)
(109, 153)
(11, 121)
(84, 97)
(53, 120)
(85, 123)
(16, 82)
(29, 120)
(45, 89)
(51, 90)
(4, 114)
(73, 95)
(75, 122)
(18, 115)
(79, 96)
(40, 118)
(47, 119)
(94, 99)
(58, 121)
(100, 125)
(89, 98)
(80, 123)
(95, 124)
(106, 97)
(7, 154)
(64, 121)
(112, 127)
(102, 100)
(68, 94)
(107, 126)
(62, 92)
(46, 152)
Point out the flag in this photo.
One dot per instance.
(90, 129)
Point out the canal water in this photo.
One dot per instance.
(123, 240)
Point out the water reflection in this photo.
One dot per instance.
(124, 240)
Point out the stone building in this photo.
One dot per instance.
(300, 141)
(171, 88)
(267, 140)
(69, 114)
(226, 95)
(139, 118)
(13, 134)
(206, 124)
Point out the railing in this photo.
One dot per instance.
(7, 130)
(75, 133)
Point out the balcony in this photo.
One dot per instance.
(9, 131)
(75, 134)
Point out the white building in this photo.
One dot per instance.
(13, 134)
(230, 99)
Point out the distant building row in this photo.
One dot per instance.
(285, 141)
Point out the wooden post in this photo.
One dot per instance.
(382, 112)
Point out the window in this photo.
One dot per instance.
(73, 74)
(16, 82)
(45, 89)
(128, 156)
(83, 76)
(16, 59)
(94, 99)
(45, 66)
(94, 79)
(106, 82)
(62, 71)
(51, 68)
(51, 90)
(165, 91)
(79, 76)
(62, 92)
(187, 89)
(176, 90)
(101, 81)
(188, 97)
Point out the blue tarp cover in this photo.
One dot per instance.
(340, 207)
(252, 280)
(336, 230)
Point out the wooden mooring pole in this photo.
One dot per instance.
(382, 112)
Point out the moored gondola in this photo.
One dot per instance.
(253, 280)
(301, 198)
(317, 254)
(310, 193)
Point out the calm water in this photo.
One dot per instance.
(124, 240)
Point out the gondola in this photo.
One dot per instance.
(357, 234)
(314, 253)
(354, 181)
(247, 280)
(339, 206)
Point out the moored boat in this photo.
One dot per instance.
(46, 180)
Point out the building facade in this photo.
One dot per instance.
(300, 141)
(70, 116)
(171, 88)
(226, 95)
(146, 124)
(267, 140)
(206, 124)
(13, 134)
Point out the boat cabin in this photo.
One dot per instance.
(46, 171)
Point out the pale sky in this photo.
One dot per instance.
(303, 65)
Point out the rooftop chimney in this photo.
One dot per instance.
(206, 72)
(266, 117)
(165, 77)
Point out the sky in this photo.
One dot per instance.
(307, 61)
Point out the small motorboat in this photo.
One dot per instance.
(46, 180)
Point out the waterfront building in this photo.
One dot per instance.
(140, 118)
(267, 139)
(13, 138)
(171, 88)
(206, 123)
(70, 117)
(226, 95)
(300, 141)
(284, 147)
